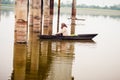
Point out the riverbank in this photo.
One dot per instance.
(89, 11)
(7, 6)
(80, 11)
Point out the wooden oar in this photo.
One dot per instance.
(76, 19)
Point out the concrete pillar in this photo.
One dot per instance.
(36, 15)
(73, 26)
(31, 12)
(73, 15)
(46, 13)
(21, 20)
(51, 16)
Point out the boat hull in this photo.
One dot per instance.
(78, 37)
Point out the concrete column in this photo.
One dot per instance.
(21, 20)
(31, 12)
(46, 13)
(51, 16)
(73, 26)
(36, 15)
(73, 15)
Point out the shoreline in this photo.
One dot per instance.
(89, 11)
(79, 11)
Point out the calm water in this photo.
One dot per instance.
(62, 60)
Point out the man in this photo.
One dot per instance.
(63, 31)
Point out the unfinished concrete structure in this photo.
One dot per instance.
(40, 13)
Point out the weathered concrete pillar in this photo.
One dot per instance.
(51, 16)
(73, 15)
(51, 7)
(36, 15)
(46, 13)
(31, 12)
(73, 26)
(21, 18)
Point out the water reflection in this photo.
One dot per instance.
(19, 63)
(6, 12)
(117, 16)
(43, 60)
(105, 16)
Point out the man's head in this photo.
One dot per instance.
(63, 25)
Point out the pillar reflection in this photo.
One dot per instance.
(62, 58)
(43, 60)
(19, 63)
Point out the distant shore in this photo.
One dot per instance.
(7, 6)
(90, 11)
(80, 11)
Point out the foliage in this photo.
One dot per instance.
(7, 2)
(113, 7)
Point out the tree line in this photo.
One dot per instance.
(113, 7)
(7, 2)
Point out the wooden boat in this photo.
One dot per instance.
(76, 37)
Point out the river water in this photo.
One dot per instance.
(98, 59)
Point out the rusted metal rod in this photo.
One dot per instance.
(58, 15)
(41, 17)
